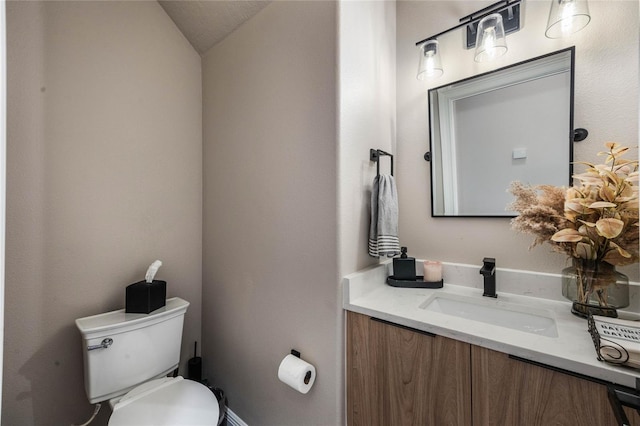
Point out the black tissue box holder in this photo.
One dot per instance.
(143, 297)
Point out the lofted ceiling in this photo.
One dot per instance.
(206, 22)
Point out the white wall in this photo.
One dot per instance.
(270, 258)
(3, 179)
(104, 175)
(606, 103)
(367, 117)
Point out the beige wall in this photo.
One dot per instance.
(270, 278)
(104, 176)
(606, 103)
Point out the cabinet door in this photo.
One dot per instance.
(507, 391)
(429, 379)
(399, 376)
(365, 371)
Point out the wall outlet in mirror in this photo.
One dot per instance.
(519, 153)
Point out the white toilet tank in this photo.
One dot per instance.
(124, 350)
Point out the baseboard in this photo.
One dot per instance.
(233, 419)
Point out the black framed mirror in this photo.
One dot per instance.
(514, 123)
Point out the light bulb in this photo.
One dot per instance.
(491, 41)
(429, 65)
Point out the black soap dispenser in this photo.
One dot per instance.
(404, 267)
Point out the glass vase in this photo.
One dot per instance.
(595, 288)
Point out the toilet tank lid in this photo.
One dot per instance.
(114, 320)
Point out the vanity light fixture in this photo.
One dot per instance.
(491, 40)
(567, 17)
(486, 28)
(430, 65)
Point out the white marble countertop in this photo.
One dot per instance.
(366, 292)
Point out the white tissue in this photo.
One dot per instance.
(153, 269)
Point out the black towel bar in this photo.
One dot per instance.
(375, 154)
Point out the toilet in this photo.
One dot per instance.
(127, 358)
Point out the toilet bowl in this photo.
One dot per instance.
(127, 358)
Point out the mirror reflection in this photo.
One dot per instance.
(515, 123)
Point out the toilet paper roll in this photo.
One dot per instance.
(297, 373)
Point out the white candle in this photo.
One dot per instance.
(432, 270)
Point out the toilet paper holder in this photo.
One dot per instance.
(307, 376)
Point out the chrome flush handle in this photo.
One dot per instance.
(103, 345)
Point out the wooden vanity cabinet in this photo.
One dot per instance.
(508, 391)
(400, 376)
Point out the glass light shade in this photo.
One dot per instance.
(491, 41)
(430, 65)
(567, 17)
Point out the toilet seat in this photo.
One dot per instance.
(167, 401)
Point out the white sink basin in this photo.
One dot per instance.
(494, 312)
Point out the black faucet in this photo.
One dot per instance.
(489, 272)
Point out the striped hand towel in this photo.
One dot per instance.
(383, 233)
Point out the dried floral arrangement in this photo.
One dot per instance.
(595, 220)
